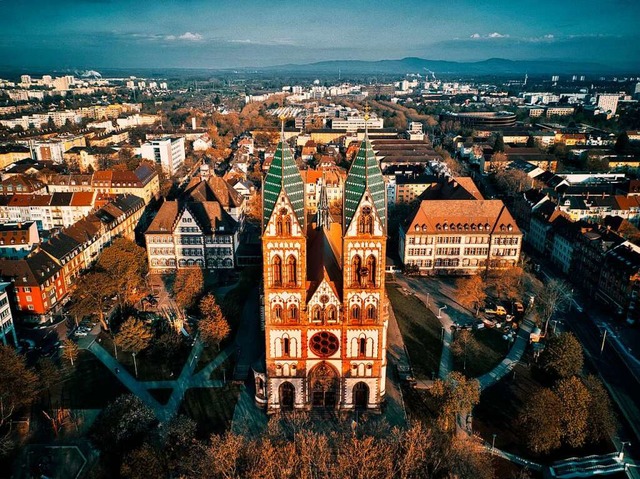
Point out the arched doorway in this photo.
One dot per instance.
(287, 396)
(324, 385)
(361, 395)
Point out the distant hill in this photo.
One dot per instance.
(492, 66)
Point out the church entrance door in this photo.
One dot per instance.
(325, 383)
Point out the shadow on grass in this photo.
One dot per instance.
(421, 331)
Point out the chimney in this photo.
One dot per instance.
(193, 123)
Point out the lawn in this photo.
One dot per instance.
(152, 365)
(90, 385)
(211, 408)
(421, 331)
(491, 349)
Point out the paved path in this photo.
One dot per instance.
(187, 379)
(512, 358)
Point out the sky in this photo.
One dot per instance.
(95, 34)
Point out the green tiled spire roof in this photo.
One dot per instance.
(284, 175)
(364, 174)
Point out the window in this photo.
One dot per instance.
(362, 347)
(315, 313)
(371, 312)
(277, 312)
(286, 347)
(293, 313)
(356, 269)
(276, 268)
(371, 269)
(355, 312)
(365, 222)
(291, 270)
(27, 289)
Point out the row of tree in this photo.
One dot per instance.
(574, 410)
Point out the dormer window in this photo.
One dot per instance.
(424, 227)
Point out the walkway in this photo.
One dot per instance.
(512, 358)
(179, 386)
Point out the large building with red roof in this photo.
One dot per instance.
(450, 236)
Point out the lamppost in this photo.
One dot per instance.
(440, 311)
(493, 444)
(428, 296)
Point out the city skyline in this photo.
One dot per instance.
(197, 34)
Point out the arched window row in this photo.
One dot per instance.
(365, 221)
(278, 279)
(284, 225)
(327, 314)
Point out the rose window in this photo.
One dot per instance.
(324, 344)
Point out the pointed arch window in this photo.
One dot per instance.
(279, 225)
(365, 222)
(362, 347)
(316, 313)
(331, 314)
(356, 270)
(277, 312)
(286, 347)
(293, 313)
(276, 271)
(355, 312)
(287, 225)
(371, 312)
(371, 268)
(291, 270)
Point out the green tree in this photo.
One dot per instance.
(574, 413)
(562, 356)
(623, 144)
(471, 292)
(91, 296)
(455, 395)
(498, 145)
(556, 295)
(213, 326)
(123, 425)
(602, 420)
(142, 463)
(70, 351)
(125, 265)
(187, 286)
(18, 383)
(541, 422)
(134, 336)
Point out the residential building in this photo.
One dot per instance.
(22, 185)
(619, 281)
(7, 327)
(325, 307)
(608, 103)
(38, 284)
(460, 237)
(188, 234)
(17, 240)
(168, 152)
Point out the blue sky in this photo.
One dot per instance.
(242, 33)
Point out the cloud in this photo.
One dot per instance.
(186, 36)
(477, 36)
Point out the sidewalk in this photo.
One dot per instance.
(512, 358)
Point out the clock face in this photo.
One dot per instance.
(324, 344)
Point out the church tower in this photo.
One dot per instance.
(325, 308)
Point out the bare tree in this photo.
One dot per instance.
(556, 295)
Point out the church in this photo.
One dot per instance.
(324, 304)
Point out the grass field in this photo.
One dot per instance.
(421, 331)
(491, 349)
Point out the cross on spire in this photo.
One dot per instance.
(366, 120)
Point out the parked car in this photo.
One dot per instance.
(518, 306)
(498, 311)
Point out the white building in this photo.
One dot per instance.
(608, 102)
(7, 329)
(168, 152)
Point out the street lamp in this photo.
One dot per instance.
(428, 295)
(493, 444)
(440, 311)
